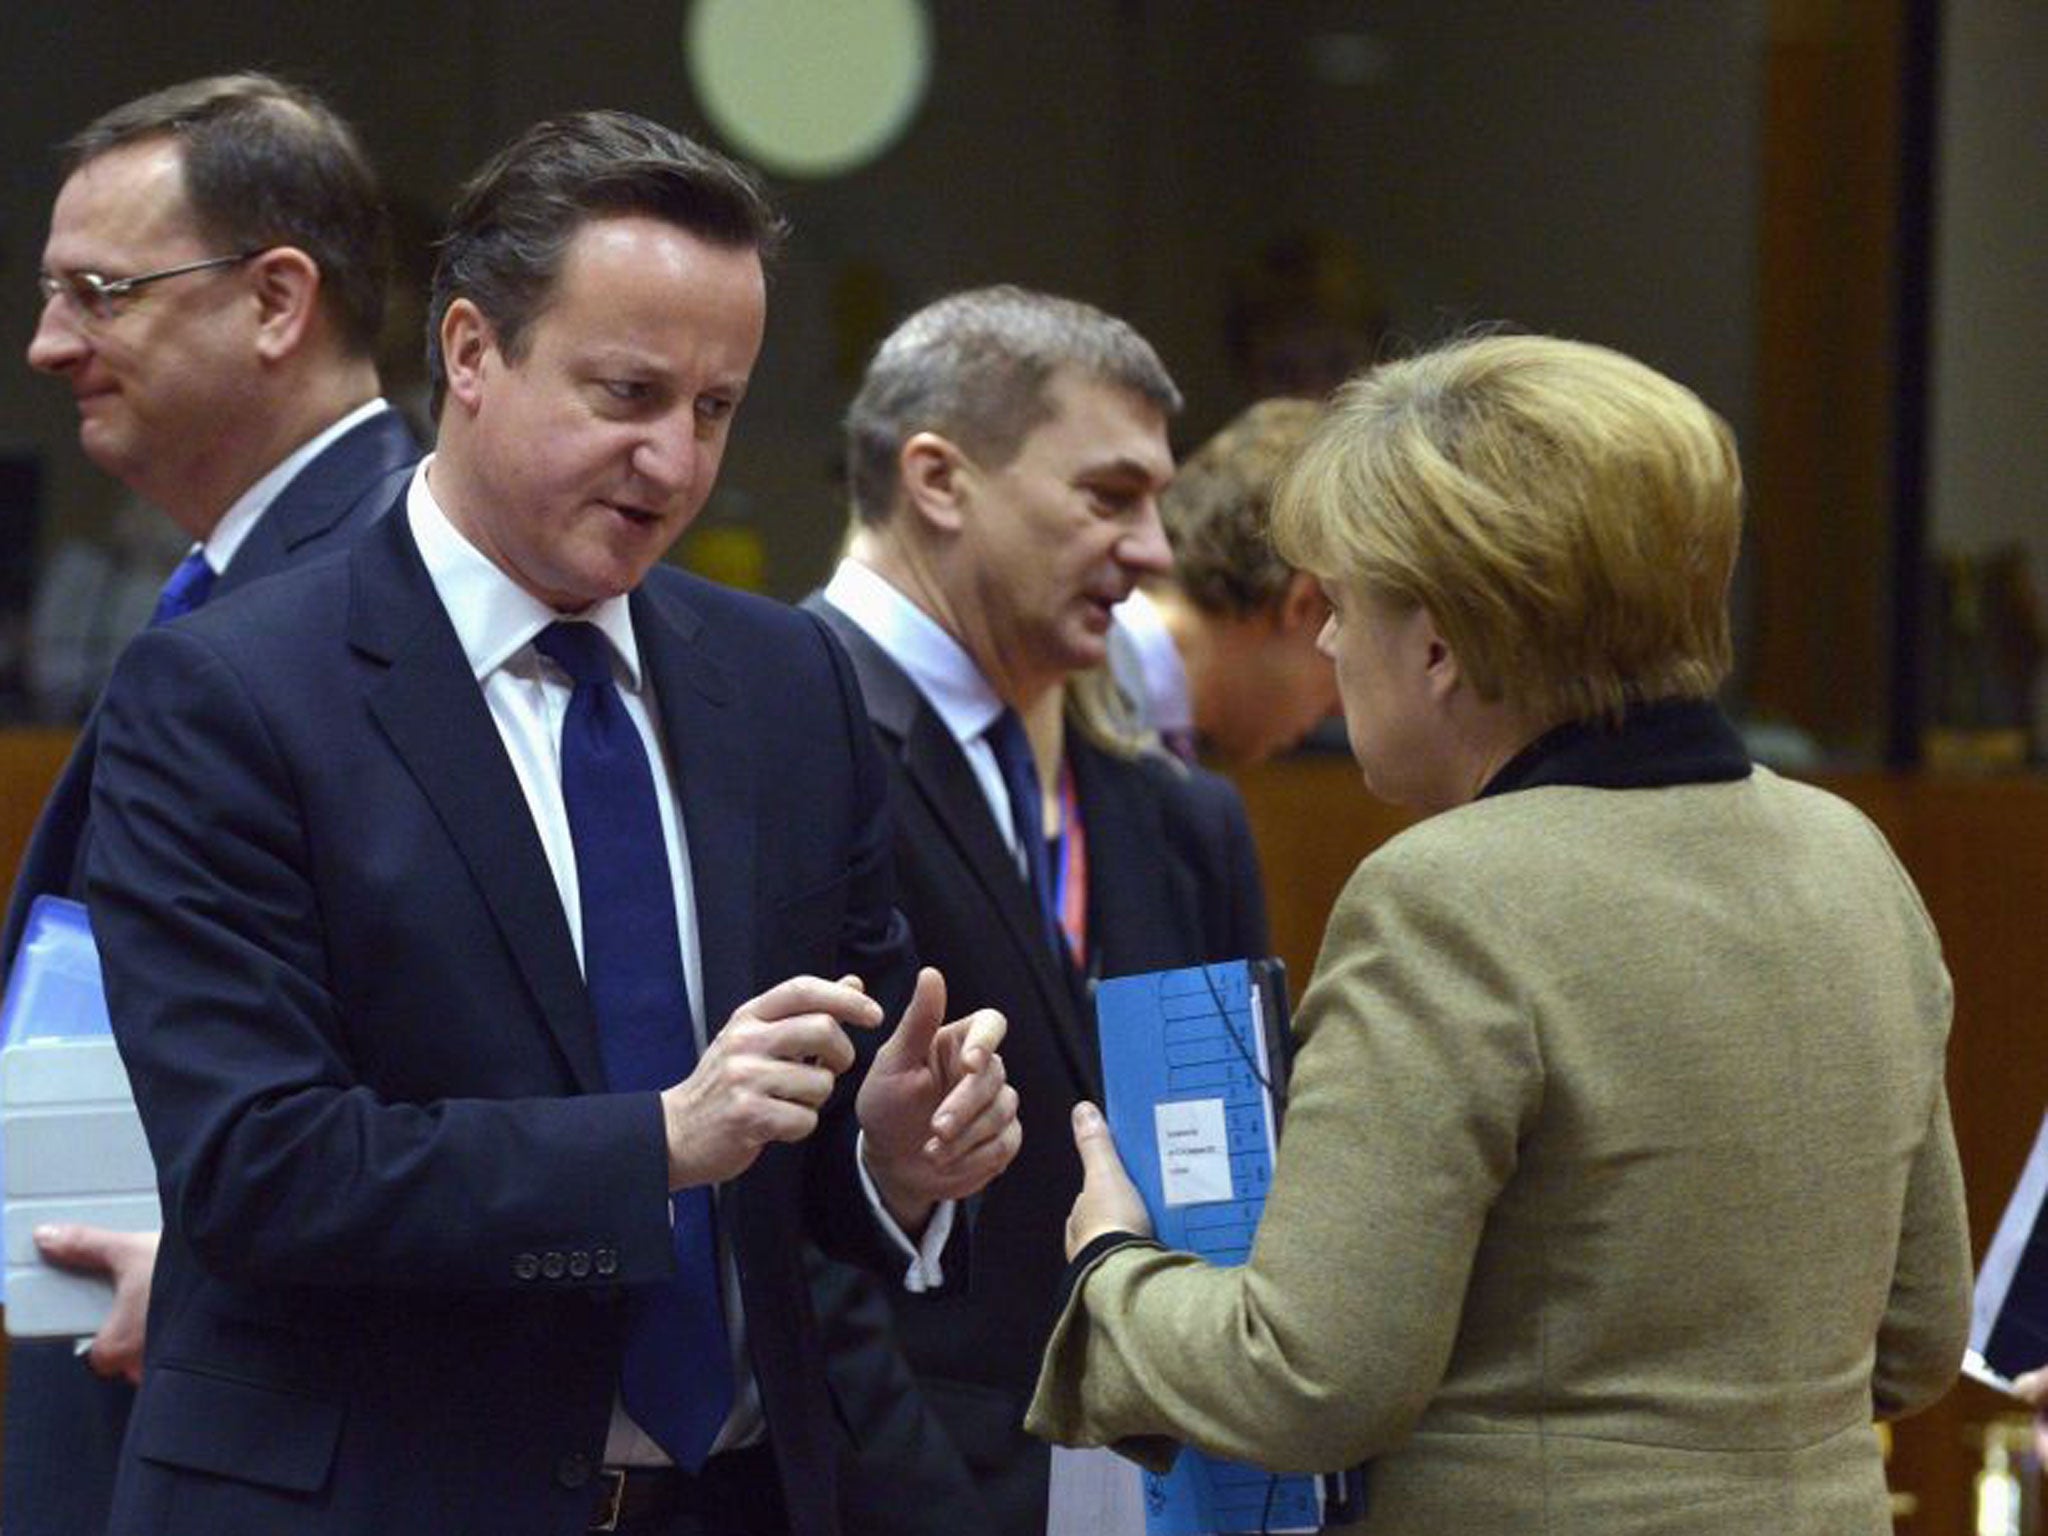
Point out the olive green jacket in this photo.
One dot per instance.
(1617, 1192)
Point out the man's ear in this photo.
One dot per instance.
(287, 287)
(467, 339)
(1302, 606)
(934, 475)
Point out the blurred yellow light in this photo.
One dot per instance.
(809, 87)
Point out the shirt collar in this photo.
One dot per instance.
(241, 516)
(1163, 676)
(495, 617)
(937, 663)
(1670, 741)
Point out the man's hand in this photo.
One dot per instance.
(126, 1258)
(1109, 1201)
(763, 1077)
(940, 1120)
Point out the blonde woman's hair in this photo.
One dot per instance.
(1568, 516)
(1098, 707)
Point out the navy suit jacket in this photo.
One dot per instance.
(401, 1210)
(332, 497)
(63, 1426)
(1173, 879)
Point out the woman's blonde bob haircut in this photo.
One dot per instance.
(1568, 516)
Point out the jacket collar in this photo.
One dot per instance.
(1656, 745)
(357, 470)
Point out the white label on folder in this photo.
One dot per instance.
(1194, 1151)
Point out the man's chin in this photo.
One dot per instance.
(1086, 652)
(107, 449)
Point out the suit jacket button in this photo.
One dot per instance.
(606, 1260)
(526, 1266)
(579, 1264)
(573, 1470)
(554, 1266)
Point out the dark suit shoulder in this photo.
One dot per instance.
(1204, 842)
(713, 601)
(753, 640)
(1207, 798)
(345, 487)
(1187, 794)
(278, 608)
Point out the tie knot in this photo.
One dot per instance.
(580, 650)
(186, 590)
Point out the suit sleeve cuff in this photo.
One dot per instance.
(1098, 1249)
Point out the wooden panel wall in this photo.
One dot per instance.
(1820, 471)
(29, 760)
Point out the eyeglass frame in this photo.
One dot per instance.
(93, 296)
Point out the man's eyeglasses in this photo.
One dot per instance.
(98, 297)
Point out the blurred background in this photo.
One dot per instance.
(1818, 213)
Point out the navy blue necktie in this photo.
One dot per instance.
(1012, 748)
(189, 586)
(677, 1382)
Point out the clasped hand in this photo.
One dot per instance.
(127, 1260)
(939, 1118)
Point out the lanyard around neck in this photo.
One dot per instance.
(1069, 863)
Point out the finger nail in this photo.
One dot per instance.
(931, 1148)
(1086, 1116)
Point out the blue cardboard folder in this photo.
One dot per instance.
(1194, 1065)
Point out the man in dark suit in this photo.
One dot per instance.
(472, 906)
(1006, 452)
(213, 287)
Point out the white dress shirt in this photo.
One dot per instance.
(943, 672)
(496, 621)
(1147, 664)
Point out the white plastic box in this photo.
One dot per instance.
(71, 1143)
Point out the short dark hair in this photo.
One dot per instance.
(974, 367)
(269, 163)
(514, 219)
(1217, 508)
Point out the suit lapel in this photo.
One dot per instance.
(937, 772)
(716, 781)
(429, 706)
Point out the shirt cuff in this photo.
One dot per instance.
(922, 1271)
